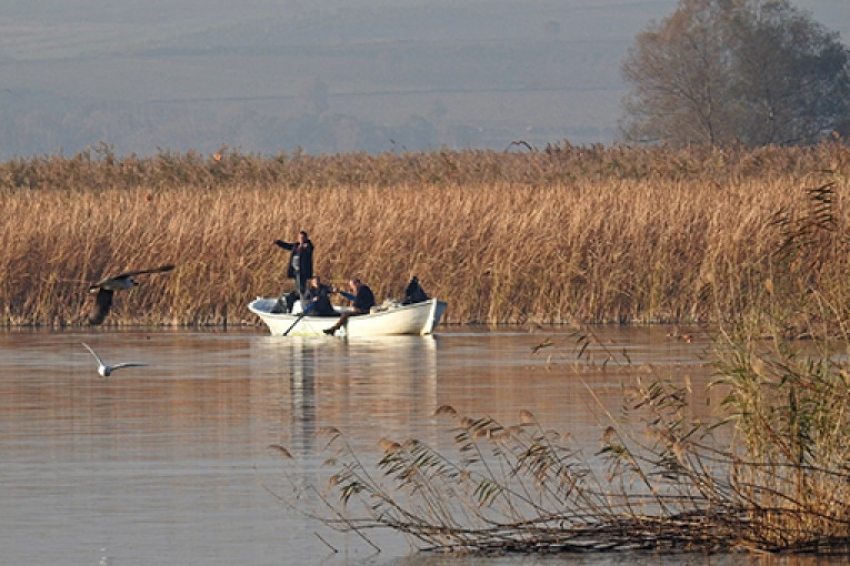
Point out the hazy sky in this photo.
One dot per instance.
(44, 28)
(198, 74)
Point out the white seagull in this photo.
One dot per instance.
(105, 370)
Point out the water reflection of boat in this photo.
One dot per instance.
(349, 383)
(418, 318)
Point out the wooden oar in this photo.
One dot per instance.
(300, 316)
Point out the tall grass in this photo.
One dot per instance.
(768, 473)
(563, 235)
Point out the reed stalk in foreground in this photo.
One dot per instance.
(565, 236)
(769, 474)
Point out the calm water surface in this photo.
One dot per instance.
(170, 463)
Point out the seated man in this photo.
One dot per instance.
(414, 293)
(317, 295)
(363, 299)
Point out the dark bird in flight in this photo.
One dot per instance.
(106, 288)
(104, 369)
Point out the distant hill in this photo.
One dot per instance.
(266, 76)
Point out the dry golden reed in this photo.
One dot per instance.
(561, 235)
(765, 472)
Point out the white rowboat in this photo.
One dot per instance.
(417, 318)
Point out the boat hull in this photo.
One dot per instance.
(419, 318)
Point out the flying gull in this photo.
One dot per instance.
(105, 370)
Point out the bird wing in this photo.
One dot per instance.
(127, 365)
(126, 274)
(160, 269)
(100, 306)
(93, 353)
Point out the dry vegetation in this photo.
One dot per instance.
(769, 474)
(563, 235)
(755, 241)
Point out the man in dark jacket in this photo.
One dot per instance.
(300, 261)
(363, 299)
(414, 293)
(318, 294)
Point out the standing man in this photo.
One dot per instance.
(300, 260)
(363, 299)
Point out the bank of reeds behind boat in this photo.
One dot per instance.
(565, 235)
(755, 241)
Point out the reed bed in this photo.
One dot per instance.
(564, 235)
(768, 474)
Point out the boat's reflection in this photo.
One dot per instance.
(366, 387)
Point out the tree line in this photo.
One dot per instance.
(736, 71)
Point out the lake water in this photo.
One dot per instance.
(170, 463)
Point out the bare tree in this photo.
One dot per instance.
(716, 71)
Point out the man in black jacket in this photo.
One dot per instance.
(363, 299)
(318, 294)
(300, 260)
(414, 293)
